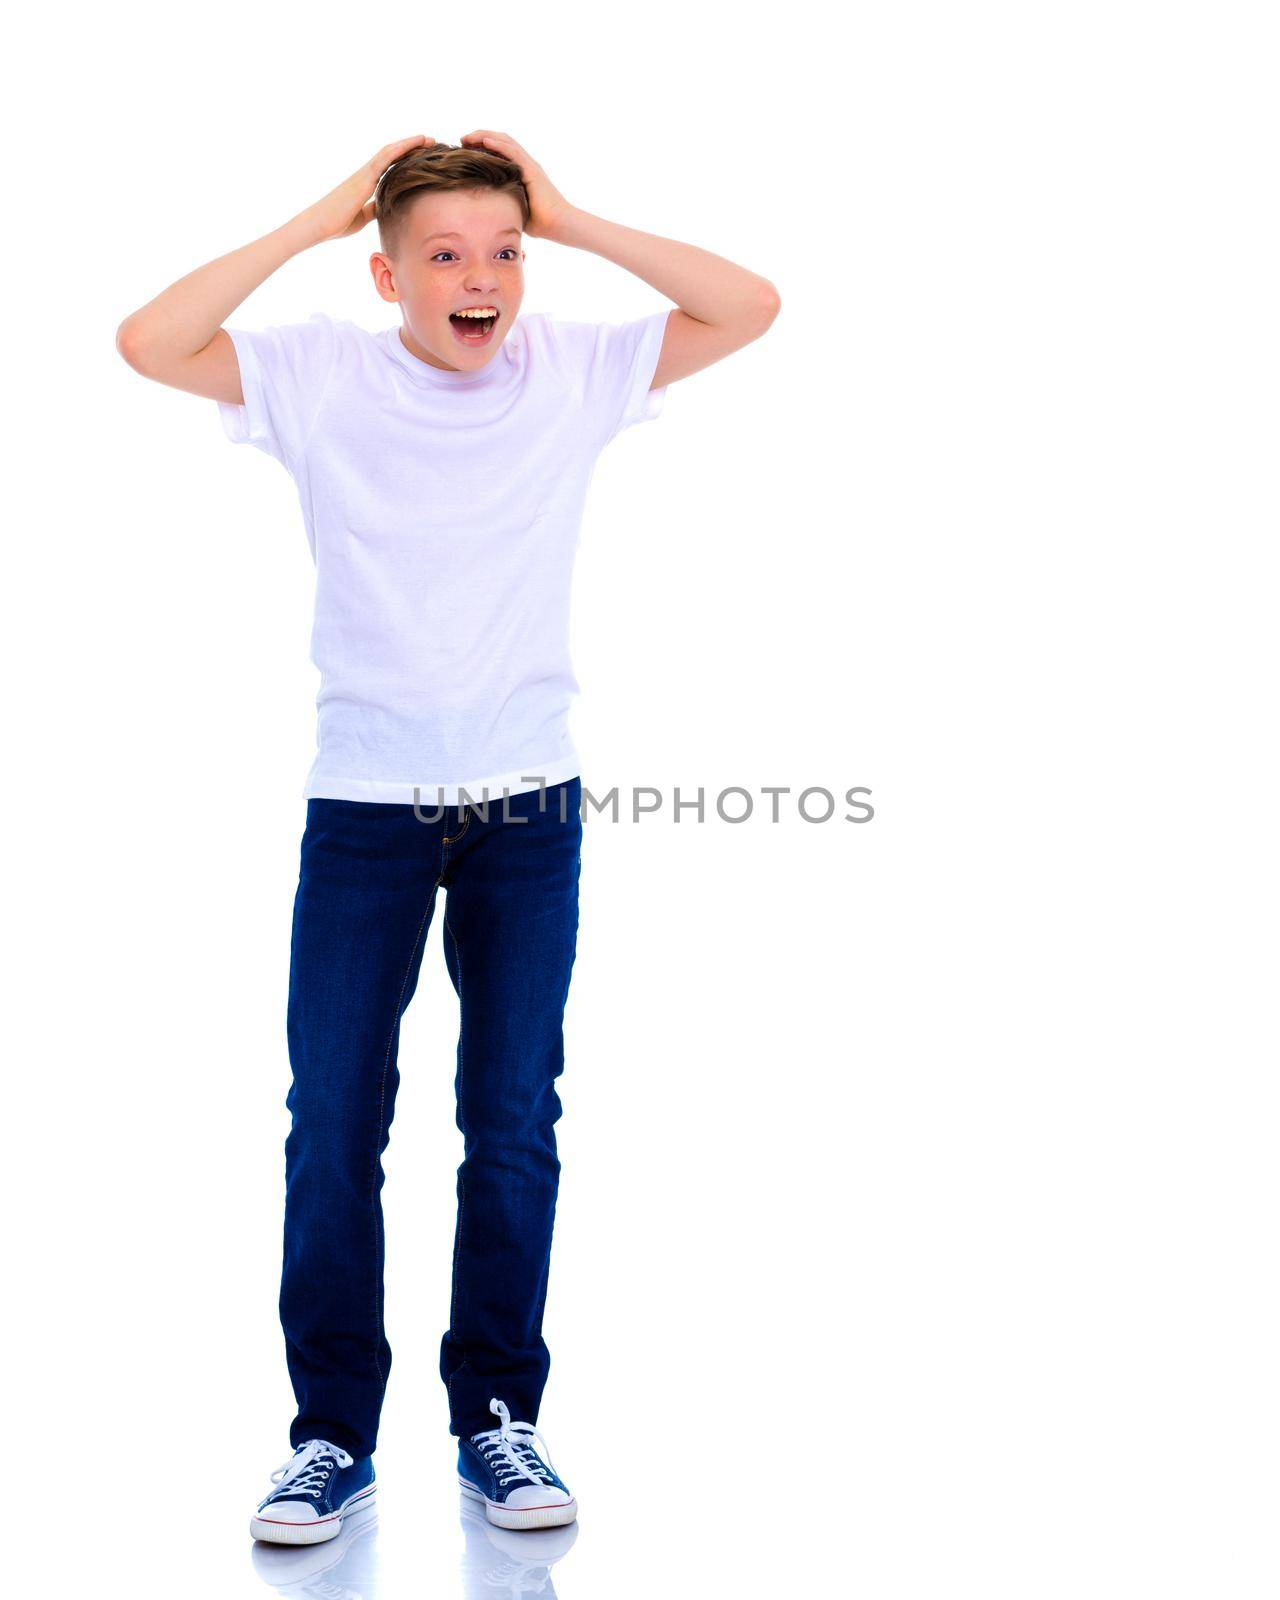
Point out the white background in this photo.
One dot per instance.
(918, 1220)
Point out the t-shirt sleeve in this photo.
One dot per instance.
(283, 374)
(614, 364)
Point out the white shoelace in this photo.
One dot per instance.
(305, 1471)
(509, 1451)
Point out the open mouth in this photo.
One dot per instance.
(470, 329)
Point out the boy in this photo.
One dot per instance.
(442, 466)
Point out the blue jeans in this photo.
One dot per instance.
(370, 873)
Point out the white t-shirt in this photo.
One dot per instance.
(443, 512)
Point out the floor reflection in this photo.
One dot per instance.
(344, 1568)
(501, 1562)
(497, 1563)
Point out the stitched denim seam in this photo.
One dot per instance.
(456, 1374)
(379, 1324)
(466, 823)
(457, 1244)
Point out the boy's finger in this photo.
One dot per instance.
(390, 152)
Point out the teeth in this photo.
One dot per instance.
(478, 311)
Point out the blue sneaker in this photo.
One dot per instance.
(518, 1486)
(318, 1486)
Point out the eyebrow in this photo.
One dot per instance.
(431, 238)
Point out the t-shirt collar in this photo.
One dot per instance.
(424, 372)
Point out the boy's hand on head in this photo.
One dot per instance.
(346, 209)
(547, 206)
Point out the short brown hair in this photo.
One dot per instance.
(438, 167)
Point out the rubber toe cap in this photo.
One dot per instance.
(289, 1511)
(539, 1494)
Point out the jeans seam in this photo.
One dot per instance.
(457, 1245)
(379, 1322)
(466, 823)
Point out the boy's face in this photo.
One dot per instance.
(458, 250)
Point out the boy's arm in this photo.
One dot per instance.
(178, 339)
(720, 306)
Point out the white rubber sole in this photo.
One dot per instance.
(527, 1517)
(282, 1532)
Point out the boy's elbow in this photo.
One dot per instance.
(771, 302)
(130, 345)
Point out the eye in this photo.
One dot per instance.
(508, 250)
